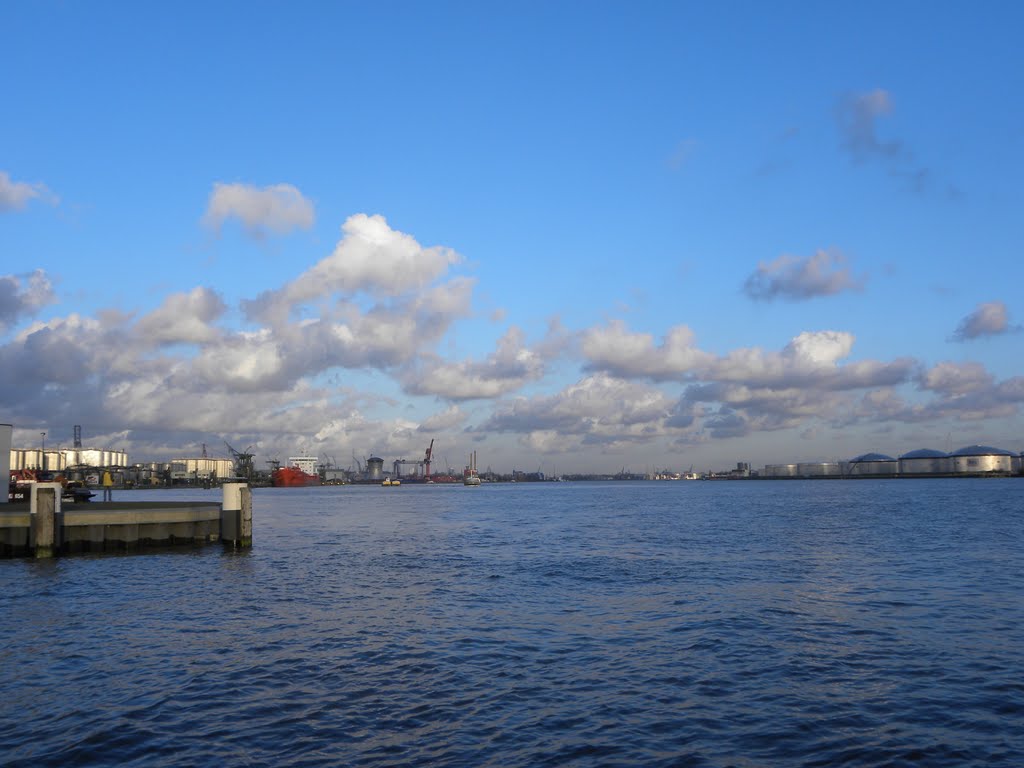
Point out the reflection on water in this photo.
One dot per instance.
(773, 623)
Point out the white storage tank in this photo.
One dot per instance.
(91, 457)
(925, 461)
(874, 465)
(820, 469)
(780, 470)
(982, 459)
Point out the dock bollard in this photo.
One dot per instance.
(236, 515)
(44, 505)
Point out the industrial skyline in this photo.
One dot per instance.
(574, 235)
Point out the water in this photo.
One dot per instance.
(811, 623)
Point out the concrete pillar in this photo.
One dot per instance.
(6, 432)
(236, 515)
(44, 538)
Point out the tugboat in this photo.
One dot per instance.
(469, 474)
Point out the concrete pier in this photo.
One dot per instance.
(43, 528)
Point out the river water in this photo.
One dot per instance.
(814, 623)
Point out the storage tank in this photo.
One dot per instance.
(978, 459)
(31, 458)
(91, 457)
(874, 465)
(780, 470)
(925, 461)
(53, 461)
(820, 469)
(375, 468)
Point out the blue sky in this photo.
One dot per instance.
(579, 236)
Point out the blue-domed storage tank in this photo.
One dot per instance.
(874, 465)
(925, 461)
(978, 459)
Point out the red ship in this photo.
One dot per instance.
(292, 477)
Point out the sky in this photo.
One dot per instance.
(570, 236)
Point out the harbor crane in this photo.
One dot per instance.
(243, 462)
(423, 465)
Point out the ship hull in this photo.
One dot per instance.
(290, 477)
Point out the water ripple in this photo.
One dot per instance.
(686, 624)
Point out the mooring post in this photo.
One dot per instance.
(245, 518)
(44, 505)
(236, 515)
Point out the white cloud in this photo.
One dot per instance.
(451, 418)
(184, 318)
(797, 279)
(954, 379)
(278, 208)
(988, 319)
(616, 350)
(599, 410)
(15, 195)
(23, 295)
(507, 369)
(372, 259)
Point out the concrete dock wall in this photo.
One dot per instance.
(44, 528)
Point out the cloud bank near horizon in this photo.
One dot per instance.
(381, 304)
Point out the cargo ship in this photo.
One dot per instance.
(301, 472)
(290, 477)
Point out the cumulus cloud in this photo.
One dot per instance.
(955, 379)
(507, 369)
(15, 195)
(797, 279)
(184, 318)
(989, 319)
(810, 360)
(451, 418)
(616, 350)
(746, 390)
(23, 295)
(371, 258)
(277, 209)
(598, 410)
